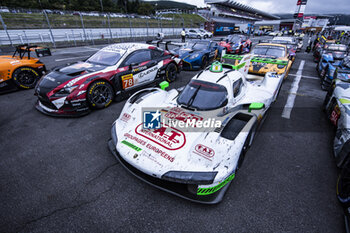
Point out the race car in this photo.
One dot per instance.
(268, 58)
(321, 44)
(191, 143)
(337, 108)
(294, 44)
(336, 56)
(113, 73)
(197, 54)
(21, 70)
(290, 42)
(236, 44)
(339, 51)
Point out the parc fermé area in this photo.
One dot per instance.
(57, 174)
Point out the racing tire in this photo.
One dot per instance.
(204, 62)
(171, 72)
(25, 77)
(100, 94)
(186, 36)
(198, 37)
(343, 185)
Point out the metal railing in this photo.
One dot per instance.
(76, 28)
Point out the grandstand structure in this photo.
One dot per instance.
(226, 16)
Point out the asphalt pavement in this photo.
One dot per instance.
(57, 174)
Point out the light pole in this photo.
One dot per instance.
(101, 5)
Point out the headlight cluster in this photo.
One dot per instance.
(190, 177)
(66, 91)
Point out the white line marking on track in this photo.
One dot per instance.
(305, 76)
(71, 58)
(293, 91)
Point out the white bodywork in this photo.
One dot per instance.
(223, 154)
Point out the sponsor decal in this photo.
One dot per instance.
(204, 151)
(139, 69)
(335, 115)
(126, 117)
(132, 146)
(127, 80)
(167, 137)
(150, 147)
(151, 157)
(151, 119)
(147, 72)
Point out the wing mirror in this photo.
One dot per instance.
(256, 106)
(132, 65)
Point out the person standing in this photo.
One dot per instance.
(183, 35)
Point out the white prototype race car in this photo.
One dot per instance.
(163, 148)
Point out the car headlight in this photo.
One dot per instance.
(194, 56)
(114, 134)
(190, 177)
(280, 66)
(66, 91)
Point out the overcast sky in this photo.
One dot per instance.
(288, 6)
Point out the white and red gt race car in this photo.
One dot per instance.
(191, 143)
(113, 73)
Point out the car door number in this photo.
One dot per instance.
(128, 81)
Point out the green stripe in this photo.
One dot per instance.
(210, 190)
(344, 101)
(132, 146)
(257, 59)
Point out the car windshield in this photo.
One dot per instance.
(107, 58)
(196, 45)
(234, 39)
(203, 95)
(275, 51)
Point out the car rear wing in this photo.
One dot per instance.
(24, 49)
(256, 59)
(166, 44)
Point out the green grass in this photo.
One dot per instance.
(37, 21)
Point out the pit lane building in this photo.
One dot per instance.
(227, 16)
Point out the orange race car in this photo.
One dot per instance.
(21, 71)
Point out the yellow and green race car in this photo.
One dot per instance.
(268, 57)
(21, 70)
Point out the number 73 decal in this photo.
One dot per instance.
(128, 81)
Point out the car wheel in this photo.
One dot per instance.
(186, 36)
(25, 77)
(330, 108)
(100, 94)
(241, 49)
(171, 72)
(343, 185)
(204, 62)
(198, 37)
